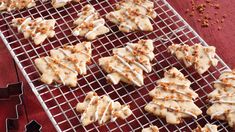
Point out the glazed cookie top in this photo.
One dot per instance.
(133, 15)
(38, 29)
(223, 98)
(128, 63)
(173, 98)
(201, 57)
(10, 5)
(89, 23)
(65, 64)
(101, 109)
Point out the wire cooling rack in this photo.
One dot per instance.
(59, 101)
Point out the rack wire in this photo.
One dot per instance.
(59, 101)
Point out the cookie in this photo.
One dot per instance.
(223, 98)
(61, 3)
(9, 5)
(128, 63)
(198, 56)
(151, 129)
(38, 29)
(89, 24)
(207, 128)
(173, 98)
(133, 15)
(101, 109)
(64, 64)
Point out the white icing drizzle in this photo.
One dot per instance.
(130, 48)
(138, 76)
(177, 91)
(174, 109)
(23, 23)
(69, 68)
(54, 71)
(2, 4)
(217, 114)
(182, 85)
(79, 51)
(223, 101)
(38, 21)
(67, 55)
(84, 113)
(136, 63)
(88, 18)
(172, 99)
(62, 1)
(209, 127)
(105, 111)
(224, 96)
(114, 15)
(121, 73)
(146, 69)
(94, 29)
(125, 25)
(220, 82)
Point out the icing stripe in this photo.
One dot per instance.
(54, 70)
(176, 110)
(138, 76)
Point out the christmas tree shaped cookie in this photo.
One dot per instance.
(151, 128)
(89, 24)
(37, 29)
(65, 64)
(10, 5)
(101, 109)
(173, 98)
(223, 98)
(128, 63)
(201, 57)
(133, 15)
(207, 128)
(61, 3)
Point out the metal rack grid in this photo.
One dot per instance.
(59, 101)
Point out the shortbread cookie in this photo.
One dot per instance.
(133, 15)
(173, 98)
(128, 63)
(151, 129)
(207, 128)
(37, 29)
(61, 3)
(223, 98)
(65, 64)
(101, 109)
(9, 5)
(201, 57)
(89, 24)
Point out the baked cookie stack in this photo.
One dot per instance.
(101, 109)
(128, 63)
(173, 98)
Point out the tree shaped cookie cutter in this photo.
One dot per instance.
(7, 93)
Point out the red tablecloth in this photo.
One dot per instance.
(223, 40)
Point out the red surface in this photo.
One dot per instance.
(222, 40)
